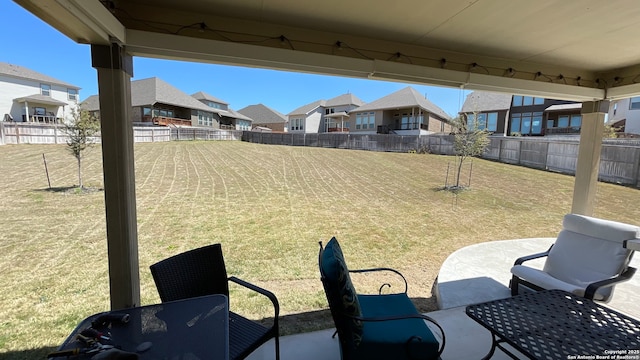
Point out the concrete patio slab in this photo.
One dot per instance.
(481, 272)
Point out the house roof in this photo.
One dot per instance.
(24, 73)
(479, 101)
(344, 99)
(337, 115)
(154, 90)
(234, 114)
(201, 95)
(407, 97)
(41, 99)
(92, 103)
(263, 114)
(305, 109)
(564, 107)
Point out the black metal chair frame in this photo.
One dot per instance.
(591, 289)
(337, 314)
(170, 276)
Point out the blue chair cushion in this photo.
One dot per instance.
(394, 338)
(340, 290)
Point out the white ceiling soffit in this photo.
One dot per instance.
(577, 50)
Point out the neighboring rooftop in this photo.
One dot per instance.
(154, 90)
(201, 95)
(407, 97)
(24, 73)
(344, 99)
(479, 101)
(263, 114)
(305, 109)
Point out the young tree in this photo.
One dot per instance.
(467, 141)
(81, 130)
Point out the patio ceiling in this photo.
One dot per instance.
(579, 50)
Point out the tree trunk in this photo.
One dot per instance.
(79, 172)
(459, 170)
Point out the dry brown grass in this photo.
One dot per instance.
(269, 206)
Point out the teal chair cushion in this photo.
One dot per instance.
(394, 339)
(341, 293)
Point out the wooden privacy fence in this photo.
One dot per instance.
(619, 161)
(37, 133)
(437, 144)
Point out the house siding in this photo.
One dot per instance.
(12, 88)
(619, 110)
(313, 121)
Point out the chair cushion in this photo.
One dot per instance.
(547, 281)
(600, 228)
(589, 249)
(340, 291)
(394, 339)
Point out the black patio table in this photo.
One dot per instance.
(555, 324)
(195, 328)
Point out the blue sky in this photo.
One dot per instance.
(27, 41)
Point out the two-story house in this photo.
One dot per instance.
(519, 115)
(29, 96)
(624, 116)
(227, 118)
(487, 110)
(324, 115)
(539, 116)
(156, 102)
(404, 112)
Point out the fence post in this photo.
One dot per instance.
(17, 132)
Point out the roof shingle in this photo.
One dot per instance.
(404, 98)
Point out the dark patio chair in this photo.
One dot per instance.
(381, 326)
(202, 272)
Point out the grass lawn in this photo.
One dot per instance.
(268, 206)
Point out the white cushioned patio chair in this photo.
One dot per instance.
(588, 258)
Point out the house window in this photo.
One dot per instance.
(45, 89)
(214, 105)
(536, 123)
(39, 111)
(515, 123)
(549, 124)
(471, 122)
(517, 100)
(365, 120)
(576, 121)
(329, 111)
(296, 124)
(526, 100)
(205, 118)
(563, 121)
(492, 121)
(146, 111)
(72, 94)
(635, 103)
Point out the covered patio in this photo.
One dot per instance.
(585, 51)
(471, 275)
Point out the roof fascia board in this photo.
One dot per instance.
(142, 43)
(95, 16)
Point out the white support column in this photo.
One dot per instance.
(584, 190)
(26, 111)
(115, 69)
